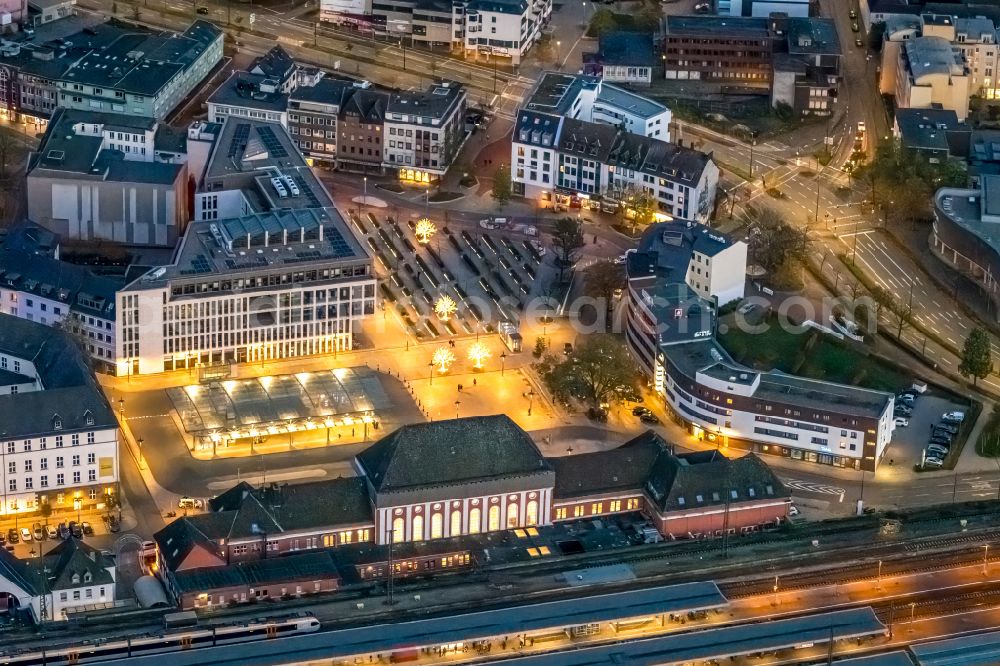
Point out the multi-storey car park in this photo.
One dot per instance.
(678, 276)
(268, 270)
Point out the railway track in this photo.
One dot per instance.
(868, 570)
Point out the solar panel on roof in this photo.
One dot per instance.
(270, 141)
(303, 187)
(239, 142)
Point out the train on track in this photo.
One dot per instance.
(175, 641)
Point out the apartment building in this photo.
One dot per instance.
(249, 96)
(59, 443)
(339, 124)
(593, 100)
(107, 68)
(792, 60)
(560, 161)
(40, 288)
(423, 131)
(109, 176)
(479, 28)
(670, 331)
(975, 37)
(931, 73)
(763, 8)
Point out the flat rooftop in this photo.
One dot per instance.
(249, 156)
(629, 101)
(244, 247)
(965, 208)
(555, 92)
(694, 357)
(247, 403)
(728, 27)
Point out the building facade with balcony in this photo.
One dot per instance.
(676, 281)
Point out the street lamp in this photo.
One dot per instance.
(78, 505)
(878, 583)
(986, 552)
(531, 397)
(431, 365)
(364, 199)
(503, 361)
(139, 443)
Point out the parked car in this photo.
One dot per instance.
(567, 349)
(947, 428)
(939, 432)
(953, 417)
(63, 531)
(702, 8)
(86, 528)
(12, 536)
(640, 410)
(25, 535)
(38, 533)
(853, 14)
(598, 415)
(902, 410)
(860, 44)
(935, 451)
(933, 462)
(51, 532)
(114, 525)
(3, 538)
(793, 510)
(74, 529)
(185, 503)
(203, 11)
(901, 422)
(906, 398)
(649, 418)
(940, 441)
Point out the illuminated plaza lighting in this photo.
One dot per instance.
(478, 353)
(424, 230)
(445, 307)
(443, 358)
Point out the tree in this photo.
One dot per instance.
(501, 186)
(600, 280)
(540, 347)
(45, 509)
(568, 239)
(640, 203)
(649, 18)
(601, 22)
(977, 359)
(598, 371)
(902, 315)
(6, 147)
(773, 241)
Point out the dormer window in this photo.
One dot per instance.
(76, 579)
(90, 418)
(87, 577)
(57, 423)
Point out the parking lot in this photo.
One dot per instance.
(490, 275)
(909, 442)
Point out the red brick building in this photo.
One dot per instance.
(684, 496)
(429, 492)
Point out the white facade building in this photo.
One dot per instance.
(71, 576)
(556, 159)
(59, 441)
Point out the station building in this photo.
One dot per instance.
(429, 492)
(678, 277)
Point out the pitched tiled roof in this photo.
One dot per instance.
(290, 568)
(176, 541)
(73, 558)
(448, 453)
(673, 482)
